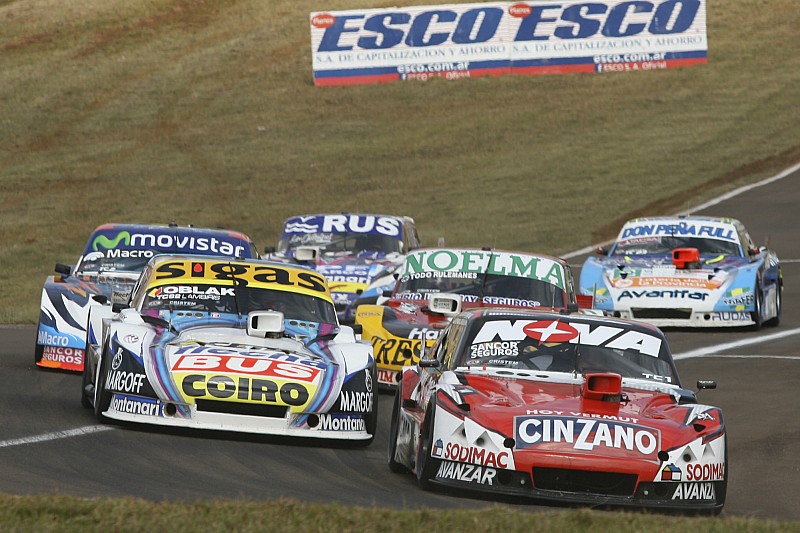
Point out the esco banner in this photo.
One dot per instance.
(500, 38)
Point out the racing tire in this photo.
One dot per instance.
(86, 380)
(38, 350)
(394, 430)
(102, 398)
(756, 314)
(426, 467)
(38, 353)
(371, 420)
(776, 320)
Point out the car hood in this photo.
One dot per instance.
(548, 413)
(218, 360)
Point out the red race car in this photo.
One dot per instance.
(558, 406)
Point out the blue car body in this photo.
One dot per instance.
(686, 272)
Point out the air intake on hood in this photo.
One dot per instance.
(603, 386)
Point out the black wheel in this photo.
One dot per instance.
(773, 322)
(426, 467)
(371, 420)
(394, 430)
(102, 398)
(756, 314)
(86, 382)
(38, 350)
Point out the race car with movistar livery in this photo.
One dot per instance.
(571, 408)
(111, 262)
(686, 271)
(231, 345)
(435, 284)
(352, 251)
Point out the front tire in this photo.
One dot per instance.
(394, 431)
(38, 349)
(426, 467)
(102, 398)
(756, 314)
(371, 420)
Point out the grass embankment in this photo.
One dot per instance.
(72, 514)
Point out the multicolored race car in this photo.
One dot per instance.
(111, 262)
(572, 408)
(231, 345)
(435, 284)
(351, 250)
(686, 271)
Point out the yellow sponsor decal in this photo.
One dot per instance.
(241, 389)
(227, 273)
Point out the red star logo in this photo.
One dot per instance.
(550, 331)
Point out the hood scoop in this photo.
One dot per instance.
(602, 387)
(686, 258)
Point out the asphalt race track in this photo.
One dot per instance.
(49, 444)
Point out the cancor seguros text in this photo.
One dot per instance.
(435, 27)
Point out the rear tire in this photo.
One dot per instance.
(773, 322)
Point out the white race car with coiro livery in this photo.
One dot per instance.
(686, 271)
(231, 345)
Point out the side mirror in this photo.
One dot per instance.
(100, 298)
(63, 269)
(706, 384)
(117, 307)
(600, 250)
(265, 324)
(269, 250)
(387, 293)
(306, 254)
(445, 304)
(429, 363)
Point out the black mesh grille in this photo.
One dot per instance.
(584, 481)
(644, 312)
(250, 409)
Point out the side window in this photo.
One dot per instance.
(569, 283)
(744, 238)
(138, 292)
(450, 344)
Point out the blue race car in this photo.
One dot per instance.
(357, 253)
(111, 263)
(686, 271)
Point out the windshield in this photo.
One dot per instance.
(490, 288)
(335, 244)
(97, 262)
(665, 244)
(216, 299)
(556, 346)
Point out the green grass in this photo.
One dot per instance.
(205, 112)
(26, 513)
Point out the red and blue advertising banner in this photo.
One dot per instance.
(492, 39)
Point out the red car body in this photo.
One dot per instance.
(573, 408)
